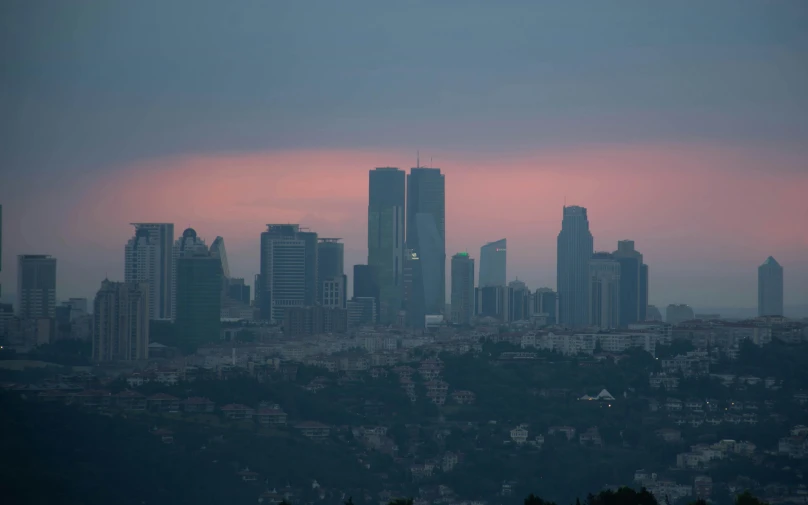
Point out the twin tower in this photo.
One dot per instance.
(407, 242)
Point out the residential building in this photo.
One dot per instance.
(493, 264)
(604, 302)
(770, 288)
(36, 286)
(426, 235)
(462, 289)
(149, 258)
(302, 321)
(361, 311)
(121, 322)
(386, 226)
(575, 249)
(199, 299)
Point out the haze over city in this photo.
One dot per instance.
(681, 128)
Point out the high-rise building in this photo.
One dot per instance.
(149, 257)
(605, 296)
(770, 288)
(678, 313)
(462, 289)
(366, 285)
(631, 283)
(426, 233)
(238, 290)
(545, 302)
(518, 301)
(493, 263)
(413, 301)
(311, 288)
(386, 227)
(653, 313)
(189, 244)
(331, 267)
(286, 271)
(575, 249)
(121, 322)
(644, 290)
(217, 250)
(361, 310)
(493, 301)
(199, 299)
(334, 292)
(36, 286)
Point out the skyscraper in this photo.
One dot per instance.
(644, 290)
(188, 244)
(217, 250)
(148, 258)
(574, 252)
(518, 301)
(770, 288)
(426, 233)
(493, 263)
(632, 290)
(331, 279)
(199, 298)
(605, 295)
(462, 289)
(36, 286)
(286, 270)
(121, 322)
(1, 247)
(386, 227)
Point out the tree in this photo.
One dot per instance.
(535, 500)
(746, 498)
(401, 501)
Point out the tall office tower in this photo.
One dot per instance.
(605, 296)
(36, 286)
(426, 233)
(387, 187)
(366, 285)
(311, 287)
(199, 298)
(462, 288)
(630, 282)
(288, 276)
(413, 299)
(493, 264)
(770, 288)
(644, 289)
(546, 303)
(149, 258)
(574, 252)
(518, 298)
(330, 265)
(678, 313)
(121, 322)
(492, 301)
(188, 244)
(217, 250)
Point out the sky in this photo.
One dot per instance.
(680, 125)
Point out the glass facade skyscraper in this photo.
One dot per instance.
(199, 299)
(386, 226)
(575, 249)
(770, 288)
(426, 233)
(493, 263)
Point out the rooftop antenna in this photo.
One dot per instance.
(430, 162)
(418, 159)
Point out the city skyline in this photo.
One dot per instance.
(106, 129)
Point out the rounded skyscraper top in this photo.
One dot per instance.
(189, 233)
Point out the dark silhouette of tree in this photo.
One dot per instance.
(349, 501)
(747, 498)
(535, 500)
(401, 501)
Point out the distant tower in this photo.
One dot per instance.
(286, 270)
(462, 289)
(121, 322)
(188, 244)
(426, 233)
(678, 313)
(148, 258)
(770, 288)
(36, 286)
(575, 249)
(199, 297)
(605, 295)
(633, 283)
(493, 264)
(386, 215)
